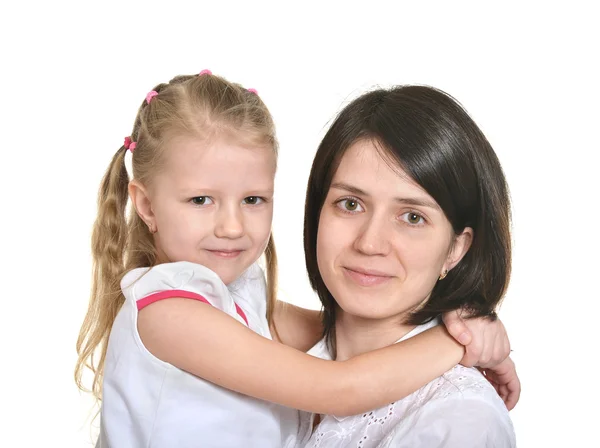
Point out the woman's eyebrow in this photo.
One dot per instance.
(350, 188)
(409, 201)
(418, 202)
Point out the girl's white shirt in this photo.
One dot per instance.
(459, 409)
(150, 403)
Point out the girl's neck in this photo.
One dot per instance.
(356, 335)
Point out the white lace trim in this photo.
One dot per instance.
(371, 429)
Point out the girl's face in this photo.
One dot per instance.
(212, 204)
(382, 241)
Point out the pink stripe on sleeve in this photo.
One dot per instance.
(144, 302)
(242, 314)
(180, 293)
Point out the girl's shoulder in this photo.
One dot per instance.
(183, 279)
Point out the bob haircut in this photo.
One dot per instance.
(429, 135)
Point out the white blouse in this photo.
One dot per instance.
(459, 409)
(150, 403)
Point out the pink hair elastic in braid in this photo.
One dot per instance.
(205, 72)
(151, 95)
(129, 144)
(253, 91)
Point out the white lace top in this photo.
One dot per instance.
(460, 409)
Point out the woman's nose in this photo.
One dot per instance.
(373, 237)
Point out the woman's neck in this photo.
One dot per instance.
(356, 335)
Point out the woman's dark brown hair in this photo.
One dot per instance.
(431, 137)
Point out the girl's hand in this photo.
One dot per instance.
(486, 342)
(506, 382)
(487, 347)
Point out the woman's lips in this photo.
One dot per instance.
(366, 277)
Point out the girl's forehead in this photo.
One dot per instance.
(193, 153)
(218, 165)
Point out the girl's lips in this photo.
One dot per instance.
(226, 253)
(366, 277)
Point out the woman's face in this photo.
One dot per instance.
(382, 241)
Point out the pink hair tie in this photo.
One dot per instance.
(151, 95)
(253, 91)
(205, 72)
(129, 144)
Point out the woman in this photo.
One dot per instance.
(407, 217)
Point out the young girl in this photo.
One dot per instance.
(173, 371)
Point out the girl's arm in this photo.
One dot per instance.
(486, 343)
(225, 352)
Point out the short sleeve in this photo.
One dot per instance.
(455, 423)
(180, 279)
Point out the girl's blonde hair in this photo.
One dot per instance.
(199, 106)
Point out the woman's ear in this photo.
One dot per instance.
(140, 199)
(459, 248)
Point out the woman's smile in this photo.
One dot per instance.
(366, 277)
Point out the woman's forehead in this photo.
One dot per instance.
(367, 165)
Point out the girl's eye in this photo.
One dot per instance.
(253, 200)
(201, 200)
(413, 218)
(349, 205)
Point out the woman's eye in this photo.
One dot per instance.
(413, 218)
(349, 205)
(253, 200)
(201, 200)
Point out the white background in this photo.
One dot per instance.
(74, 74)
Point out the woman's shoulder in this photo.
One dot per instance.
(460, 407)
(463, 387)
(460, 381)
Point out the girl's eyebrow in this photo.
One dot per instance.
(210, 191)
(409, 201)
